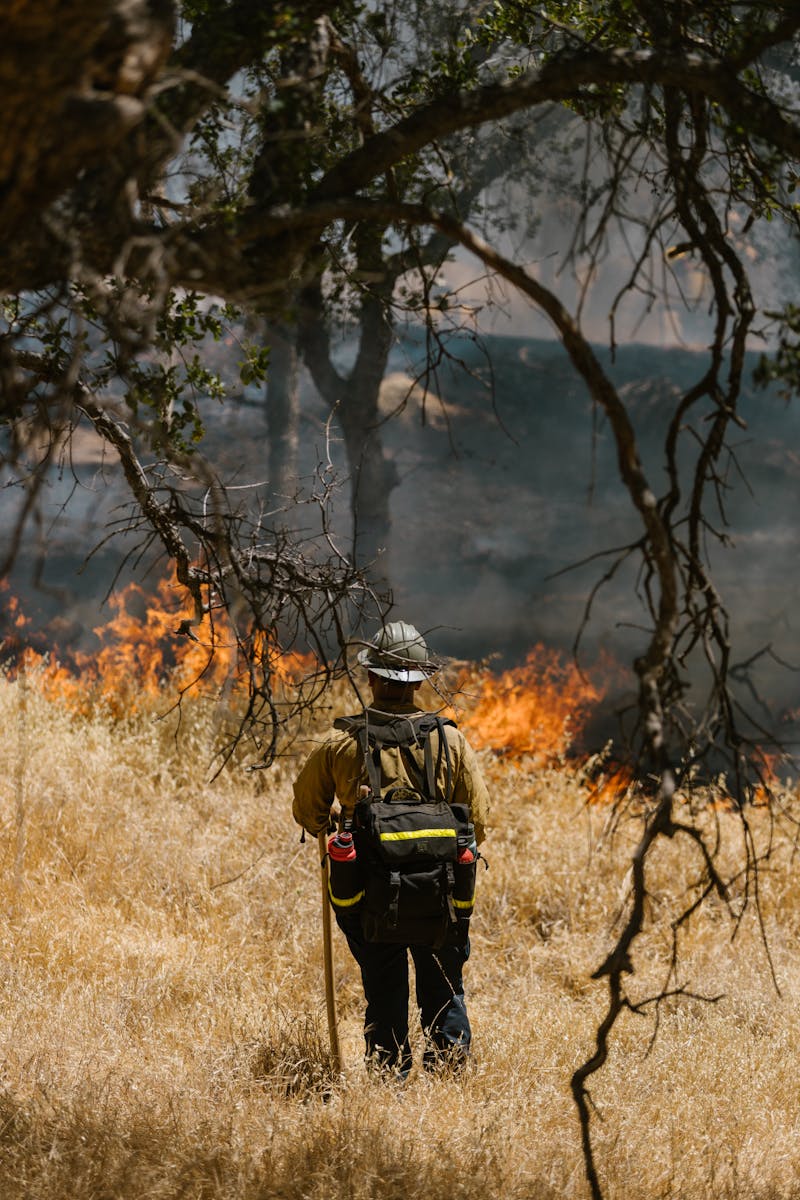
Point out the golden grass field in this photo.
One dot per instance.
(162, 1020)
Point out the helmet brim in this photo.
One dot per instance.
(397, 674)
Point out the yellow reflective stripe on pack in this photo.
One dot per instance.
(349, 902)
(464, 903)
(405, 835)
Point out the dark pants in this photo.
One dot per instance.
(440, 996)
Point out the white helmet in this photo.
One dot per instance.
(398, 651)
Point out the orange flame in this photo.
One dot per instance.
(140, 655)
(768, 765)
(612, 785)
(536, 709)
(540, 709)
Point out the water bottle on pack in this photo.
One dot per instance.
(465, 871)
(467, 848)
(341, 847)
(345, 886)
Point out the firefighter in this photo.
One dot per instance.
(397, 662)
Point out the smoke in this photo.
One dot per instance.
(492, 518)
(557, 209)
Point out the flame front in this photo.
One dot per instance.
(536, 709)
(140, 655)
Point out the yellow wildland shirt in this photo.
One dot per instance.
(336, 770)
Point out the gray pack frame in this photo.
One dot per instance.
(403, 733)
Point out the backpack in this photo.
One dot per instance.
(415, 891)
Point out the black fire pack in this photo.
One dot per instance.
(408, 841)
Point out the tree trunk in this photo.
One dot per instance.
(354, 400)
(282, 406)
(373, 477)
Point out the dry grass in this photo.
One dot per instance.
(162, 1029)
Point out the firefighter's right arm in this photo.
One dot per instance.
(470, 789)
(314, 791)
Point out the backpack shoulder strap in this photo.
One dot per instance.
(442, 750)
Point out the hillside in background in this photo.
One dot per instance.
(497, 499)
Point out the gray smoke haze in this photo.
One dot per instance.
(481, 539)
